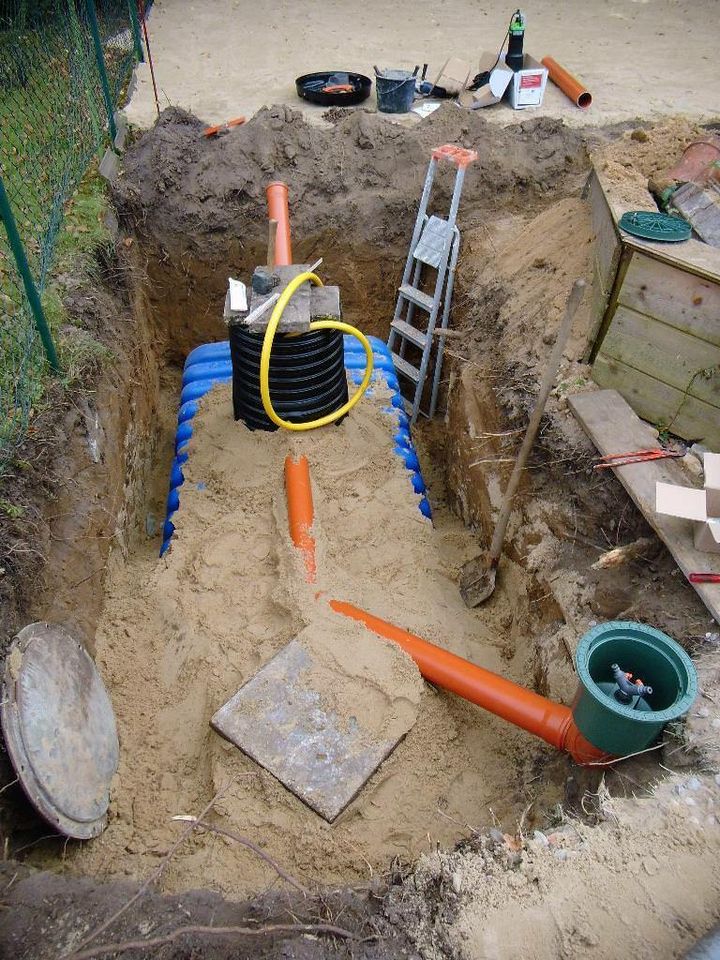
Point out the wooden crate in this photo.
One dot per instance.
(657, 341)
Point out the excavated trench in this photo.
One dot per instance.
(176, 637)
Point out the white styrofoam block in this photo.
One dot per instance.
(676, 501)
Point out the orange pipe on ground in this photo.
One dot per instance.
(569, 85)
(550, 721)
(277, 200)
(300, 511)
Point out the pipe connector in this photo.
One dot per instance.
(627, 690)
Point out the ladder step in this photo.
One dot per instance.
(417, 297)
(405, 368)
(409, 332)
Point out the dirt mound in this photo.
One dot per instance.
(363, 173)
(572, 890)
(627, 162)
(179, 636)
(198, 206)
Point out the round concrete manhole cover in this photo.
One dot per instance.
(59, 729)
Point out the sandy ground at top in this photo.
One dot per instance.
(224, 58)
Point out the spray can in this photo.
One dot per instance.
(516, 36)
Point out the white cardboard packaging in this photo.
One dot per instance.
(701, 506)
(492, 91)
(527, 87)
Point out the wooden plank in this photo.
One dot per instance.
(625, 260)
(606, 256)
(700, 207)
(690, 255)
(615, 428)
(665, 353)
(673, 296)
(659, 403)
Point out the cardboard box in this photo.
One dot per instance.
(701, 506)
(527, 87)
(492, 91)
(454, 76)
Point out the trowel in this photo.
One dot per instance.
(477, 577)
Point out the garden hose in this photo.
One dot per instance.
(272, 326)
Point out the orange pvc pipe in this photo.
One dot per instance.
(277, 200)
(300, 511)
(569, 85)
(550, 721)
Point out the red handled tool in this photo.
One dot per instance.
(704, 577)
(636, 456)
(222, 127)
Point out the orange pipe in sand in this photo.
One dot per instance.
(569, 85)
(300, 511)
(551, 721)
(277, 199)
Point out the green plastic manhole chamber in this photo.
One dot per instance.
(648, 655)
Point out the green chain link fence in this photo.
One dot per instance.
(54, 106)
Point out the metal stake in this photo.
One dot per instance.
(97, 42)
(18, 250)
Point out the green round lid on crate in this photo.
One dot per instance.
(655, 226)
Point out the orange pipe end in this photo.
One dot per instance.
(300, 511)
(569, 84)
(277, 200)
(550, 721)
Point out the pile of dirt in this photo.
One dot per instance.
(198, 206)
(574, 890)
(181, 635)
(627, 163)
(178, 184)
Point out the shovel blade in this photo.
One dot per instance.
(477, 581)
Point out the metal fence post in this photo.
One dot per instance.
(135, 26)
(95, 30)
(6, 215)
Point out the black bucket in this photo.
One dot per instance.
(307, 376)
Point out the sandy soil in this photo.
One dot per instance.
(644, 865)
(179, 636)
(643, 58)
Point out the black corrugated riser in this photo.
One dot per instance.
(307, 376)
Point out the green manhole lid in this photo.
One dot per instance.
(655, 226)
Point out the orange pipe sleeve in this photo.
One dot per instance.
(300, 511)
(550, 721)
(277, 200)
(569, 85)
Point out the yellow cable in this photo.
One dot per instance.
(272, 326)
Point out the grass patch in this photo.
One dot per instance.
(24, 372)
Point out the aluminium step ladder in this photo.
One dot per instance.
(435, 243)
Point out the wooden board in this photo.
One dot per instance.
(666, 354)
(691, 255)
(681, 299)
(614, 427)
(700, 207)
(606, 255)
(659, 403)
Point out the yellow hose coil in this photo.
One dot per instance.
(315, 325)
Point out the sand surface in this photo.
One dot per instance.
(181, 634)
(644, 58)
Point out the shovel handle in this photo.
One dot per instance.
(546, 385)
